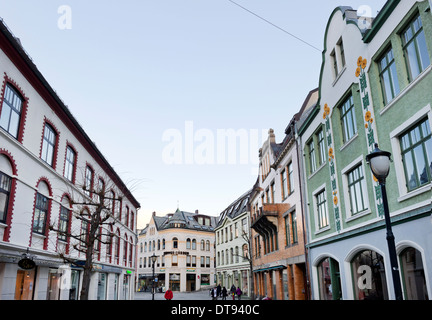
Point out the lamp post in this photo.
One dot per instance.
(379, 162)
(153, 259)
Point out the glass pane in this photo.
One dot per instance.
(5, 116)
(388, 93)
(14, 124)
(412, 60)
(422, 48)
(395, 80)
(421, 165)
(415, 135)
(3, 206)
(409, 169)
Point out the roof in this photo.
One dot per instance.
(185, 220)
(236, 208)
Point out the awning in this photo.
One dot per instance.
(270, 268)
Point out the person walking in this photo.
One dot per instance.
(218, 291)
(224, 293)
(169, 294)
(233, 291)
(239, 293)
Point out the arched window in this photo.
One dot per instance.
(163, 244)
(64, 220)
(369, 279)
(117, 247)
(13, 110)
(125, 249)
(208, 245)
(158, 246)
(6, 189)
(202, 245)
(188, 243)
(413, 275)
(329, 279)
(194, 244)
(175, 243)
(41, 210)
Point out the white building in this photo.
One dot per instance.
(233, 265)
(184, 245)
(45, 160)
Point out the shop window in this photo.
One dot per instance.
(413, 275)
(329, 280)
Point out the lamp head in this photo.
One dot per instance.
(379, 162)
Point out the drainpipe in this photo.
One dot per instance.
(304, 208)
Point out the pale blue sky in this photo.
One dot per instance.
(131, 70)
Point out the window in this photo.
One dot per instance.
(188, 243)
(284, 184)
(5, 187)
(329, 280)
(356, 190)
(69, 172)
(89, 174)
(207, 262)
(388, 75)
(334, 63)
(193, 261)
(290, 178)
(413, 274)
(293, 217)
(321, 147)
(322, 210)
(207, 245)
(64, 223)
(287, 231)
(348, 119)
(175, 243)
(40, 214)
(244, 226)
(312, 160)
(415, 49)
(48, 144)
(194, 244)
(272, 191)
(11, 111)
(342, 52)
(416, 146)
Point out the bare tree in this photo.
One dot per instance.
(95, 208)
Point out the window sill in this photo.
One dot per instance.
(358, 215)
(317, 170)
(346, 144)
(322, 230)
(339, 75)
(415, 192)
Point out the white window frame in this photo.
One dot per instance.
(344, 173)
(397, 154)
(315, 209)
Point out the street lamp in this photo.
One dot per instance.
(379, 162)
(153, 259)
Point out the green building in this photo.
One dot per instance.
(375, 87)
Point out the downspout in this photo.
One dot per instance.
(304, 207)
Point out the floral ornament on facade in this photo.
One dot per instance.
(335, 200)
(326, 111)
(331, 155)
(361, 65)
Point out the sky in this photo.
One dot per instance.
(179, 95)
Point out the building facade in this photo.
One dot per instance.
(374, 89)
(233, 258)
(45, 160)
(277, 223)
(183, 243)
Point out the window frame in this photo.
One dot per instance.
(11, 92)
(414, 39)
(70, 166)
(7, 193)
(49, 143)
(347, 111)
(40, 211)
(390, 69)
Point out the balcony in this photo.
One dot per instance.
(265, 221)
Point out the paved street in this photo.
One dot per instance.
(196, 295)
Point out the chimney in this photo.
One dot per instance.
(154, 213)
(272, 137)
(196, 211)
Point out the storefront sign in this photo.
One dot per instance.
(26, 264)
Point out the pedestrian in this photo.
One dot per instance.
(218, 291)
(233, 291)
(239, 293)
(213, 293)
(224, 293)
(168, 294)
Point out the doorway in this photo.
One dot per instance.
(24, 286)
